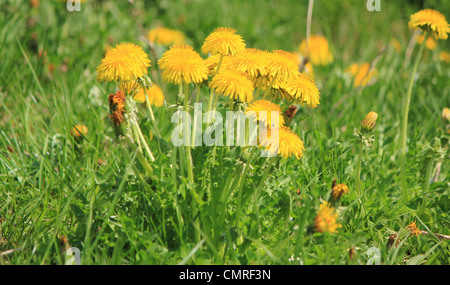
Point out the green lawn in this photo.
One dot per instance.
(96, 194)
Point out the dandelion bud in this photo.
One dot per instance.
(339, 190)
(368, 124)
(446, 115)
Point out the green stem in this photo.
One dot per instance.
(144, 143)
(186, 139)
(358, 171)
(426, 185)
(358, 176)
(241, 184)
(194, 124)
(210, 102)
(266, 93)
(403, 134)
(218, 65)
(136, 130)
(152, 116)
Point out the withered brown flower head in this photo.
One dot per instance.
(391, 241)
(117, 107)
(291, 111)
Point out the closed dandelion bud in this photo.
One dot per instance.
(446, 115)
(368, 124)
(339, 190)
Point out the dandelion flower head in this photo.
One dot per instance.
(223, 41)
(286, 143)
(182, 64)
(233, 84)
(261, 110)
(430, 20)
(165, 36)
(326, 219)
(304, 90)
(124, 62)
(154, 95)
(317, 49)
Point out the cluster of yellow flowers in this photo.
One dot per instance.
(243, 74)
(255, 80)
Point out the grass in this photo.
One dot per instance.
(96, 194)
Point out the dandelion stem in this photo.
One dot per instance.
(403, 134)
(210, 103)
(144, 143)
(211, 93)
(152, 116)
(136, 130)
(241, 184)
(266, 93)
(218, 65)
(358, 175)
(308, 24)
(426, 185)
(186, 138)
(195, 118)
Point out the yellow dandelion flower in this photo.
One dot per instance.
(286, 144)
(154, 95)
(261, 110)
(124, 62)
(362, 73)
(276, 92)
(212, 62)
(281, 65)
(250, 61)
(223, 41)
(413, 229)
(430, 20)
(368, 124)
(429, 44)
(233, 84)
(304, 90)
(338, 190)
(326, 219)
(182, 64)
(79, 131)
(165, 36)
(130, 87)
(444, 56)
(318, 50)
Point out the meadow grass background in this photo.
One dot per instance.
(52, 186)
